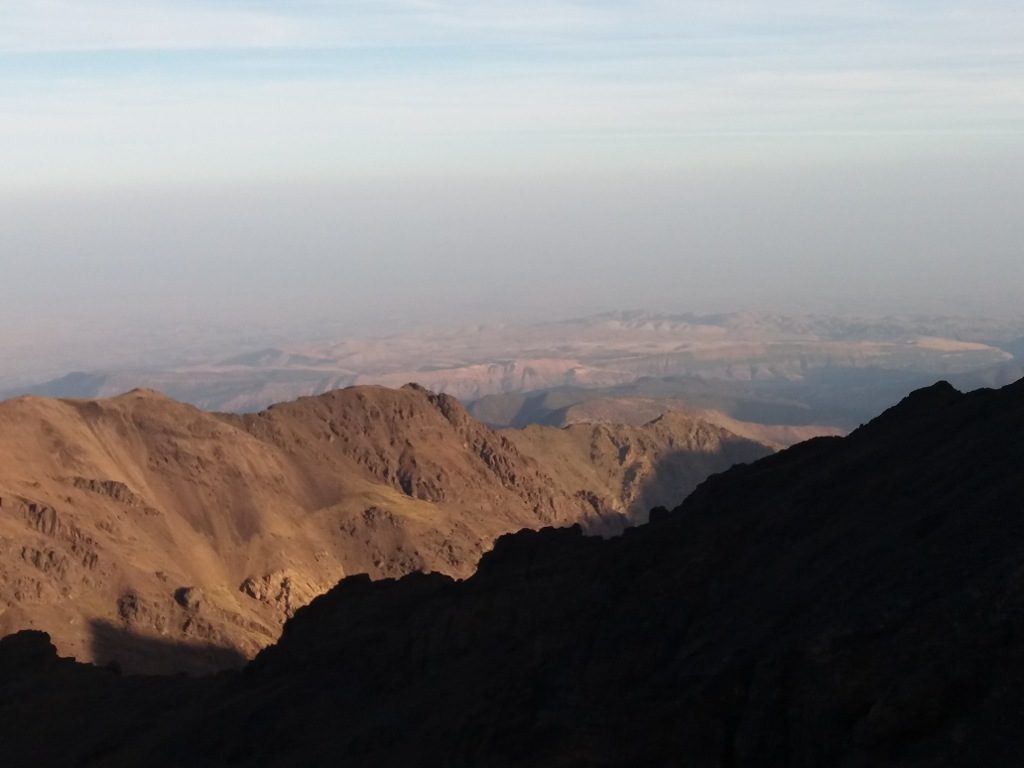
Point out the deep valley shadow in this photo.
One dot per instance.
(133, 653)
(678, 473)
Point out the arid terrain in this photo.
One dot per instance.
(139, 517)
(850, 601)
(535, 384)
(768, 368)
(567, 407)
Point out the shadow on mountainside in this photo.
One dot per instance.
(133, 653)
(678, 473)
(854, 602)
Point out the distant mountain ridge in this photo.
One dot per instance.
(836, 367)
(848, 602)
(141, 516)
(566, 407)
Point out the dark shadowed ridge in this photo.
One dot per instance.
(122, 648)
(852, 601)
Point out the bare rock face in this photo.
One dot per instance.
(138, 520)
(111, 488)
(189, 598)
(284, 591)
(627, 470)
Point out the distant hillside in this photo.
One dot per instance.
(848, 602)
(566, 407)
(639, 465)
(141, 516)
(795, 370)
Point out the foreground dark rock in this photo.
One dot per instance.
(848, 602)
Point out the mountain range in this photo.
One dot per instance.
(851, 601)
(138, 518)
(775, 368)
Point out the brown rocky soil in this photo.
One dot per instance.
(140, 517)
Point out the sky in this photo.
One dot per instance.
(279, 165)
(97, 92)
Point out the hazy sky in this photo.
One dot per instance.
(273, 163)
(103, 92)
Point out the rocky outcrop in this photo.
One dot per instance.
(284, 591)
(627, 470)
(111, 489)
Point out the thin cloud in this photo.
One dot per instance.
(98, 25)
(62, 25)
(97, 89)
(102, 25)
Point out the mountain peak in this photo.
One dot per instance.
(920, 403)
(144, 392)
